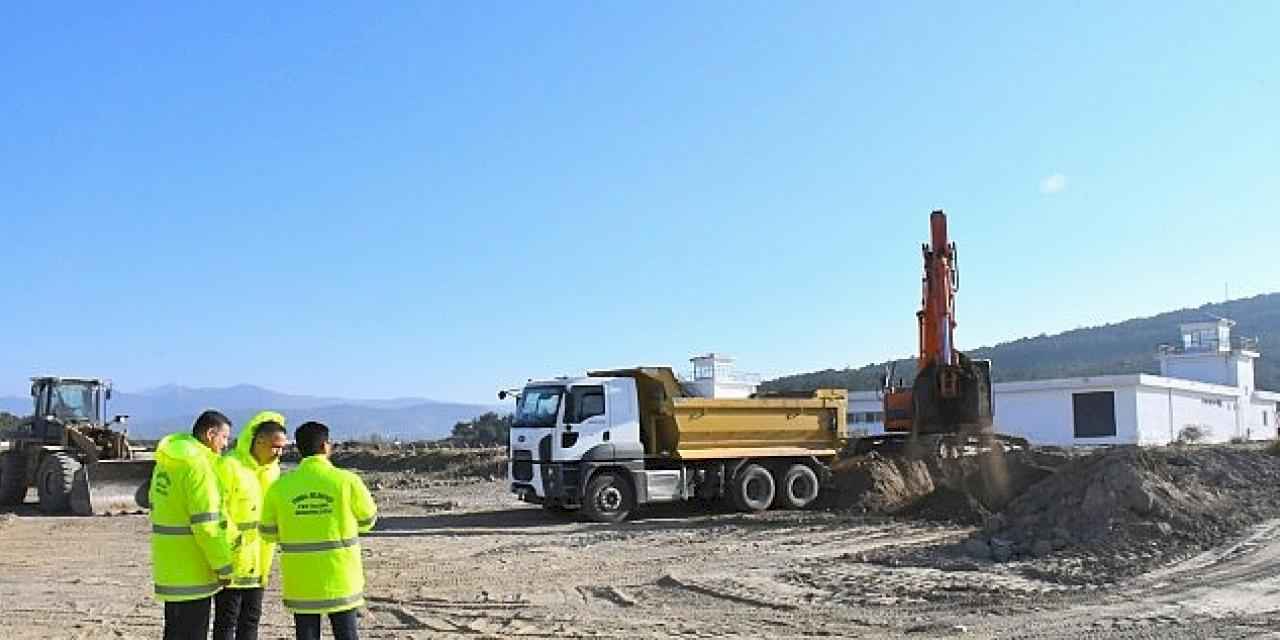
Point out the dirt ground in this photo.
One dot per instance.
(461, 558)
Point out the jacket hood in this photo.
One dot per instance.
(181, 446)
(244, 443)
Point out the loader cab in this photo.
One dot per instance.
(63, 401)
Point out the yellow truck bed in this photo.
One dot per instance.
(674, 425)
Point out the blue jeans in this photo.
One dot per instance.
(236, 613)
(343, 624)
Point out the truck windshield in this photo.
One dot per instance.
(538, 407)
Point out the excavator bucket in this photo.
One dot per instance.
(112, 487)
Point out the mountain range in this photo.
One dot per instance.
(155, 412)
(1122, 347)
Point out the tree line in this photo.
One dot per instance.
(1123, 347)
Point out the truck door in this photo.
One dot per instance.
(586, 421)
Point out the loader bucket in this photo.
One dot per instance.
(112, 487)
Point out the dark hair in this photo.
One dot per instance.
(311, 438)
(268, 428)
(209, 421)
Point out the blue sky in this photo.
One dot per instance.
(447, 198)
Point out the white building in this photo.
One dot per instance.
(714, 376)
(1206, 385)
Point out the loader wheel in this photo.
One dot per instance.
(753, 488)
(609, 498)
(54, 480)
(13, 479)
(799, 488)
(143, 495)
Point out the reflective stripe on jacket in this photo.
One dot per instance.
(317, 512)
(244, 485)
(190, 552)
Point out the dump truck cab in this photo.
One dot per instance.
(565, 429)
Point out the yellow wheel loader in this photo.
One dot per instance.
(77, 461)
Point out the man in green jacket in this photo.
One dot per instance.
(246, 473)
(190, 553)
(317, 513)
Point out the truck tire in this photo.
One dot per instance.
(799, 488)
(13, 478)
(54, 480)
(753, 488)
(609, 498)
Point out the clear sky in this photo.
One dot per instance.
(442, 199)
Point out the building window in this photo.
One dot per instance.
(1094, 414)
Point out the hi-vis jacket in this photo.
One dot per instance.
(317, 513)
(190, 554)
(244, 486)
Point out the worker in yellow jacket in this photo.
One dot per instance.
(246, 473)
(190, 552)
(317, 513)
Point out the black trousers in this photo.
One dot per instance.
(343, 624)
(187, 620)
(236, 613)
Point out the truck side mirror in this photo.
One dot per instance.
(108, 393)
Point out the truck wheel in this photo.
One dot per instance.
(609, 498)
(799, 487)
(753, 488)
(54, 480)
(13, 478)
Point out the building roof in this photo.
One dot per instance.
(1121, 380)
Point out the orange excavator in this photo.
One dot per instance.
(948, 405)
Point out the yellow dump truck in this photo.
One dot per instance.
(613, 440)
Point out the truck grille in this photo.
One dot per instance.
(522, 466)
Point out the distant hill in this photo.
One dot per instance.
(1123, 347)
(155, 412)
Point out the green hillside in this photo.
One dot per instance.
(1123, 347)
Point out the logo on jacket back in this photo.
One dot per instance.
(314, 503)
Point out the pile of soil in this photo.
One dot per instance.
(965, 490)
(879, 484)
(1129, 501)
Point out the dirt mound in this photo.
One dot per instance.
(873, 483)
(965, 490)
(946, 504)
(1119, 502)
